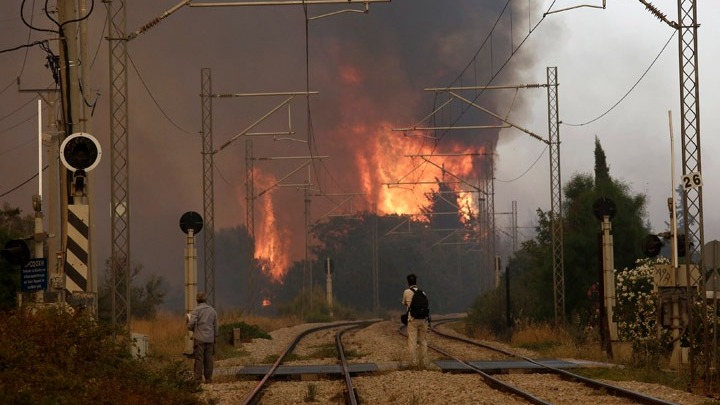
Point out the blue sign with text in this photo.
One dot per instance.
(35, 275)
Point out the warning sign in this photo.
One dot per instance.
(34, 275)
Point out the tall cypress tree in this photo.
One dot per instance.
(602, 171)
(533, 262)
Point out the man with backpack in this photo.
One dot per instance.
(418, 315)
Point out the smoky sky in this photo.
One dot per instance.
(369, 69)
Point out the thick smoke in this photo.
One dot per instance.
(369, 69)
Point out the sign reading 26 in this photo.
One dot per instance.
(692, 180)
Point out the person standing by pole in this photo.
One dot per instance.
(416, 303)
(203, 322)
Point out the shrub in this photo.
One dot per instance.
(487, 312)
(247, 332)
(51, 356)
(636, 310)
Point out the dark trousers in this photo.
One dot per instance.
(203, 355)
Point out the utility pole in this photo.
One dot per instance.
(74, 184)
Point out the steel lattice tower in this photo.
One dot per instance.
(119, 163)
(250, 219)
(208, 190)
(556, 195)
(692, 198)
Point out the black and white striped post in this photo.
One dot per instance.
(80, 153)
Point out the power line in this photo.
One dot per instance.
(501, 68)
(16, 147)
(493, 75)
(631, 88)
(30, 45)
(10, 114)
(22, 68)
(22, 184)
(147, 89)
(529, 168)
(4, 130)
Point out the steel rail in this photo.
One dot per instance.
(351, 395)
(612, 389)
(489, 379)
(254, 396)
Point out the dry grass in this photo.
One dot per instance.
(265, 323)
(167, 331)
(557, 342)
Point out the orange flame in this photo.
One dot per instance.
(398, 182)
(392, 174)
(271, 242)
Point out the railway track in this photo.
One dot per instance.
(349, 392)
(499, 383)
(378, 373)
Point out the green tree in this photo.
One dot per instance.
(532, 282)
(602, 171)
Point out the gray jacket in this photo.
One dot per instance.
(204, 323)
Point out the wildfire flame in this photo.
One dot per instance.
(395, 182)
(399, 184)
(271, 241)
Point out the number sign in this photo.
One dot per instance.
(692, 180)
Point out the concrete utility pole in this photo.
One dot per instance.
(75, 185)
(53, 207)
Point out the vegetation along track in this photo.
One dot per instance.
(500, 384)
(350, 396)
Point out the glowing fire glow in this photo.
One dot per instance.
(271, 242)
(399, 184)
(392, 175)
(266, 302)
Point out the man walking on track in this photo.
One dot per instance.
(203, 322)
(416, 304)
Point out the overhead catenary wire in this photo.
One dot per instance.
(30, 45)
(11, 113)
(493, 74)
(22, 184)
(312, 144)
(152, 97)
(22, 68)
(528, 169)
(4, 130)
(629, 91)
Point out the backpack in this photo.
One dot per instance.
(419, 306)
